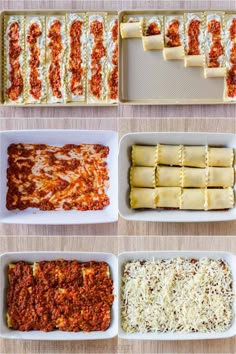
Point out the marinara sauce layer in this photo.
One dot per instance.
(216, 50)
(113, 79)
(193, 37)
(52, 177)
(59, 294)
(75, 59)
(15, 75)
(34, 61)
(173, 34)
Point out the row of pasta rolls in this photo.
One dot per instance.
(181, 155)
(71, 57)
(169, 176)
(182, 198)
(203, 39)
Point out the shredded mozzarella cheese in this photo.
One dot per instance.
(185, 295)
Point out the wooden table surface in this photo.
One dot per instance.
(121, 236)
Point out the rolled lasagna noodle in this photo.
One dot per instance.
(194, 177)
(55, 59)
(14, 73)
(168, 176)
(143, 198)
(215, 59)
(220, 177)
(176, 53)
(193, 199)
(153, 34)
(76, 57)
(170, 155)
(220, 157)
(220, 198)
(214, 72)
(194, 60)
(132, 28)
(35, 59)
(194, 39)
(142, 177)
(144, 155)
(194, 156)
(174, 38)
(168, 197)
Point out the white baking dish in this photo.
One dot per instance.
(217, 139)
(12, 257)
(148, 255)
(60, 137)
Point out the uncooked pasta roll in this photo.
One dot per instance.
(167, 176)
(220, 177)
(153, 33)
(220, 157)
(194, 156)
(174, 38)
(144, 155)
(131, 27)
(143, 198)
(194, 177)
(142, 176)
(193, 199)
(170, 155)
(220, 198)
(168, 197)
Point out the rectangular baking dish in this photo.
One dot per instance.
(44, 13)
(172, 138)
(60, 137)
(12, 257)
(149, 255)
(147, 79)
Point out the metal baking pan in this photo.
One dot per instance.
(43, 13)
(147, 79)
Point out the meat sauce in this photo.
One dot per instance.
(56, 47)
(173, 34)
(60, 294)
(75, 59)
(216, 49)
(153, 29)
(113, 78)
(98, 53)
(15, 75)
(231, 74)
(34, 61)
(49, 177)
(193, 37)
